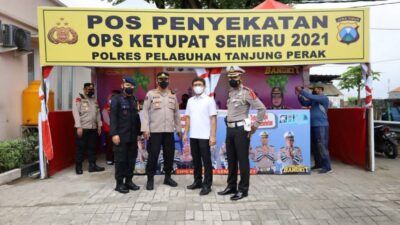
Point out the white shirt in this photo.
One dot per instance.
(200, 109)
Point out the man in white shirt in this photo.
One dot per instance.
(201, 120)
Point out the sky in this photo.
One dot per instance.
(384, 39)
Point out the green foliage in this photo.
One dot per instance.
(15, 153)
(279, 81)
(353, 78)
(211, 4)
(115, 2)
(141, 80)
(352, 101)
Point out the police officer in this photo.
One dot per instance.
(290, 154)
(88, 127)
(124, 130)
(160, 119)
(265, 155)
(240, 100)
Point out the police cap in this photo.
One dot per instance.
(129, 80)
(288, 134)
(162, 75)
(234, 71)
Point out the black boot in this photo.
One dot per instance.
(168, 181)
(78, 168)
(95, 168)
(130, 185)
(121, 188)
(150, 183)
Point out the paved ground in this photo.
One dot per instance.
(347, 196)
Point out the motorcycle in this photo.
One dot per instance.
(385, 141)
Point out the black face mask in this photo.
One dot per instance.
(234, 83)
(90, 93)
(164, 84)
(128, 91)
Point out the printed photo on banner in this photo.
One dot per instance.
(277, 147)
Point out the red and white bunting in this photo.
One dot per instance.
(44, 128)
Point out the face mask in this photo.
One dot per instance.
(90, 94)
(198, 90)
(234, 83)
(314, 93)
(128, 91)
(163, 84)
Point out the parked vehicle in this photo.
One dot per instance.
(385, 141)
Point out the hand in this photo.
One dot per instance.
(298, 89)
(180, 135)
(185, 138)
(99, 130)
(213, 141)
(116, 140)
(79, 132)
(252, 131)
(146, 135)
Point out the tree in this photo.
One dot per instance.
(205, 4)
(115, 2)
(353, 79)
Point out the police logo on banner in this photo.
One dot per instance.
(62, 34)
(348, 29)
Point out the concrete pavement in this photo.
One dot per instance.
(348, 196)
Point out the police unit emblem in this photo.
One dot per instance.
(62, 34)
(348, 29)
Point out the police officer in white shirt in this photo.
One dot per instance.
(201, 121)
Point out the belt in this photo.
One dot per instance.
(235, 124)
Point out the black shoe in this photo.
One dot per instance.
(228, 191)
(121, 188)
(78, 169)
(168, 181)
(239, 195)
(323, 171)
(150, 183)
(130, 185)
(315, 168)
(195, 185)
(205, 191)
(95, 168)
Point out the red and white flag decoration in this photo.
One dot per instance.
(44, 126)
(368, 85)
(211, 76)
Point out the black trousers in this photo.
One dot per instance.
(87, 142)
(156, 140)
(201, 154)
(237, 150)
(125, 158)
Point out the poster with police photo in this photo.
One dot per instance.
(281, 145)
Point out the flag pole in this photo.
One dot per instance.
(42, 157)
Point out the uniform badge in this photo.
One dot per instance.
(252, 94)
(348, 29)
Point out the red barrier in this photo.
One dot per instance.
(347, 135)
(62, 133)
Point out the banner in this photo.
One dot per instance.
(281, 145)
(202, 38)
